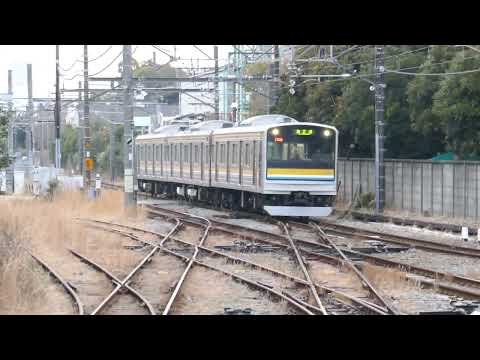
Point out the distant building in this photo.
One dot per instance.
(143, 124)
(196, 101)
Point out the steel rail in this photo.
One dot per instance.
(355, 270)
(189, 266)
(230, 274)
(111, 186)
(370, 306)
(398, 239)
(116, 280)
(460, 280)
(444, 287)
(304, 269)
(133, 272)
(65, 284)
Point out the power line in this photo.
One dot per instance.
(203, 52)
(162, 51)
(439, 63)
(433, 74)
(371, 61)
(110, 64)
(80, 61)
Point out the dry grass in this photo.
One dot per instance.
(48, 228)
(209, 293)
(337, 277)
(387, 279)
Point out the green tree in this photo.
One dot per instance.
(457, 105)
(4, 159)
(69, 146)
(149, 69)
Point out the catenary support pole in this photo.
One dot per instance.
(128, 132)
(58, 151)
(379, 137)
(87, 181)
(215, 56)
(81, 134)
(11, 119)
(30, 133)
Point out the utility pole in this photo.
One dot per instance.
(112, 152)
(29, 134)
(58, 151)
(276, 72)
(81, 150)
(128, 130)
(9, 171)
(379, 137)
(216, 94)
(87, 180)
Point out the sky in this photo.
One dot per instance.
(42, 58)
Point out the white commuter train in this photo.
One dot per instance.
(271, 162)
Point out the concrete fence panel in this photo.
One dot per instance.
(440, 188)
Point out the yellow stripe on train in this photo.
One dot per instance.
(321, 172)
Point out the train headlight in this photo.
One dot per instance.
(327, 132)
(275, 132)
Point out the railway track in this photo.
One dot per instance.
(191, 260)
(288, 243)
(68, 289)
(336, 302)
(112, 186)
(445, 283)
(350, 231)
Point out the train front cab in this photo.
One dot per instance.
(300, 170)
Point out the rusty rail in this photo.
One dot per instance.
(352, 266)
(197, 262)
(304, 270)
(370, 306)
(65, 284)
(426, 245)
(189, 265)
(116, 280)
(133, 272)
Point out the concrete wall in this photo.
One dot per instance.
(443, 188)
(19, 182)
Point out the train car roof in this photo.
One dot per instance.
(231, 130)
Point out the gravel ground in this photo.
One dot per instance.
(404, 295)
(410, 231)
(457, 265)
(207, 292)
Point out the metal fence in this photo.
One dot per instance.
(441, 188)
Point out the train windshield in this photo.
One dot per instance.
(300, 153)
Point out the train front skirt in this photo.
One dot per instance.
(298, 211)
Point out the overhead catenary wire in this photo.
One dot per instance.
(203, 52)
(394, 56)
(77, 61)
(162, 51)
(434, 74)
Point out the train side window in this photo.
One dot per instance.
(185, 153)
(157, 156)
(247, 154)
(196, 154)
(234, 153)
(222, 153)
(175, 155)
